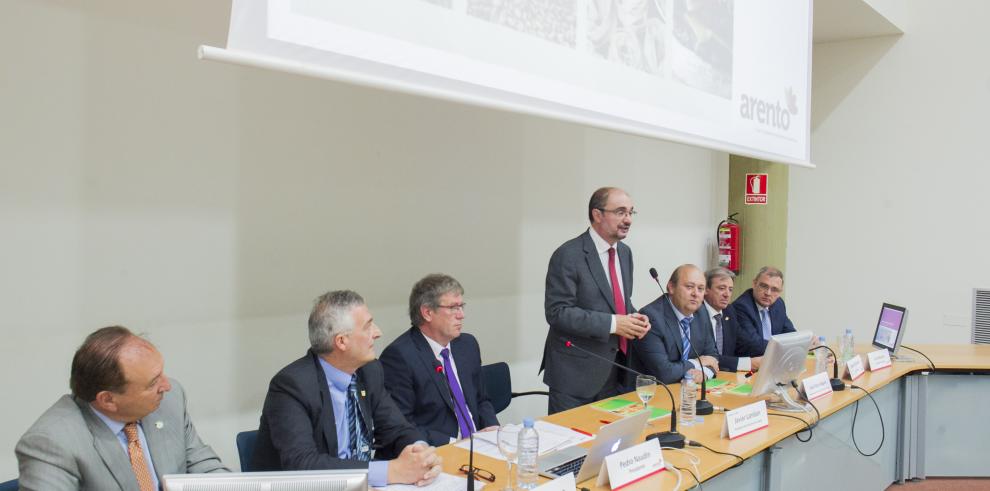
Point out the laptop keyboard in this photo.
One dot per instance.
(571, 467)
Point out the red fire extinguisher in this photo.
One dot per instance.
(728, 244)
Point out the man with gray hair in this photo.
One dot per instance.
(330, 410)
(761, 310)
(738, 349)
(433, 370)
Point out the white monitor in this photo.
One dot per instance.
(890, 327)
(336, 480)
(784, 360)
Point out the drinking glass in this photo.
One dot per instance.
(645, 388)
(508, 441)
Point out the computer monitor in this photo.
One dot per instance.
(890, 327)
(784, 360)
(342, 480)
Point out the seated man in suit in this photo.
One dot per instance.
(124, 426)
(433, 370)
(760, 309)
(330, 410)
(678, 343)
(738, 349)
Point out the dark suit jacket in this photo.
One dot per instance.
(736, 341)
(659, 352)
(70, 448)
(579, 307)
(422, 394)
(298, 430)
(749, 317)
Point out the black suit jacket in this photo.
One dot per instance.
(579, 307)
(298, 429)
(659, 353)
(749, 316)
(422, 394)
(736, 341)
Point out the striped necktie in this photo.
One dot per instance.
(686, 337)
(360, 447)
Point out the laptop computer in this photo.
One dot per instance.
(585, 463)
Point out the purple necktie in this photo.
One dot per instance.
(467, 427)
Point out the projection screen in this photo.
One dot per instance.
(732, 76)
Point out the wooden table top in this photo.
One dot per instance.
(586, 418)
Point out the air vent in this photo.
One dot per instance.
(981, 316)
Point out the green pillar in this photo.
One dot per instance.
(764, 227)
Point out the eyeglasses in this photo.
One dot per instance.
(479, 473)
(453, 308)
(620, 212)
(763, 287)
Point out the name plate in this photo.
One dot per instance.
(562, 483)
(631, 465)
(854, 368)
(818, 385)
(745, 420)
(879, 359)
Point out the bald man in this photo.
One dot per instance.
(678, 344)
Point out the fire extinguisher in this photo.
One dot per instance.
(727, 236)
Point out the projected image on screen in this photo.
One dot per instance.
(552, 20)
(701, 53)
(629, 32)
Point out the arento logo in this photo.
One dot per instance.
(770, 113)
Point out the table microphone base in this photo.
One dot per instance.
(702, 407)
(668, 439)
(837, 385)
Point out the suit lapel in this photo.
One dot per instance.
(429, 362)
(597, 271)
(365, 405)
(329, 425)
(157, 441)
(673, 327)
(625, 264)
(108, 446)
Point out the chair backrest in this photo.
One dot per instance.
(245, 448)
(498, 384)
(9, 485)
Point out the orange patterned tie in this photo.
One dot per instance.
(138, 463)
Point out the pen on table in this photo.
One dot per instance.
(604, 421)
(581, 431)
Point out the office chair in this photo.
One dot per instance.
(498, 384)
(245, 448)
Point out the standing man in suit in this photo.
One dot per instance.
(433, 370)
(588, 291)
(760, 309)
(679, 344)
(738, 349)
(124, 426)
(330, 410)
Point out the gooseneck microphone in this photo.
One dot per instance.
(837, 383)
(656, 278)
(470, 474)
(666, 438)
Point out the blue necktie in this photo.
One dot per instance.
(360, 447)
(719, 336)
(467, 427)
(686, 337)
(765, 320)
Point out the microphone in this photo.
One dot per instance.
(837, 383)
(666, 438)
(470, 474)
(656, 278)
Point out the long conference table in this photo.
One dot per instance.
(934, 424)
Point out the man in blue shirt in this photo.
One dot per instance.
(330, 410)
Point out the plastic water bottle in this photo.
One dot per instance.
(821, 357)
(688, 390)
(529, 451)
(848, 346)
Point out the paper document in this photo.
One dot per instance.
(552, 438)
(443, 482)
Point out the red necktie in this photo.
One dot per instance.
(620, 303)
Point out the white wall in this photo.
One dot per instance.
(207, 205)
(896, 210)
